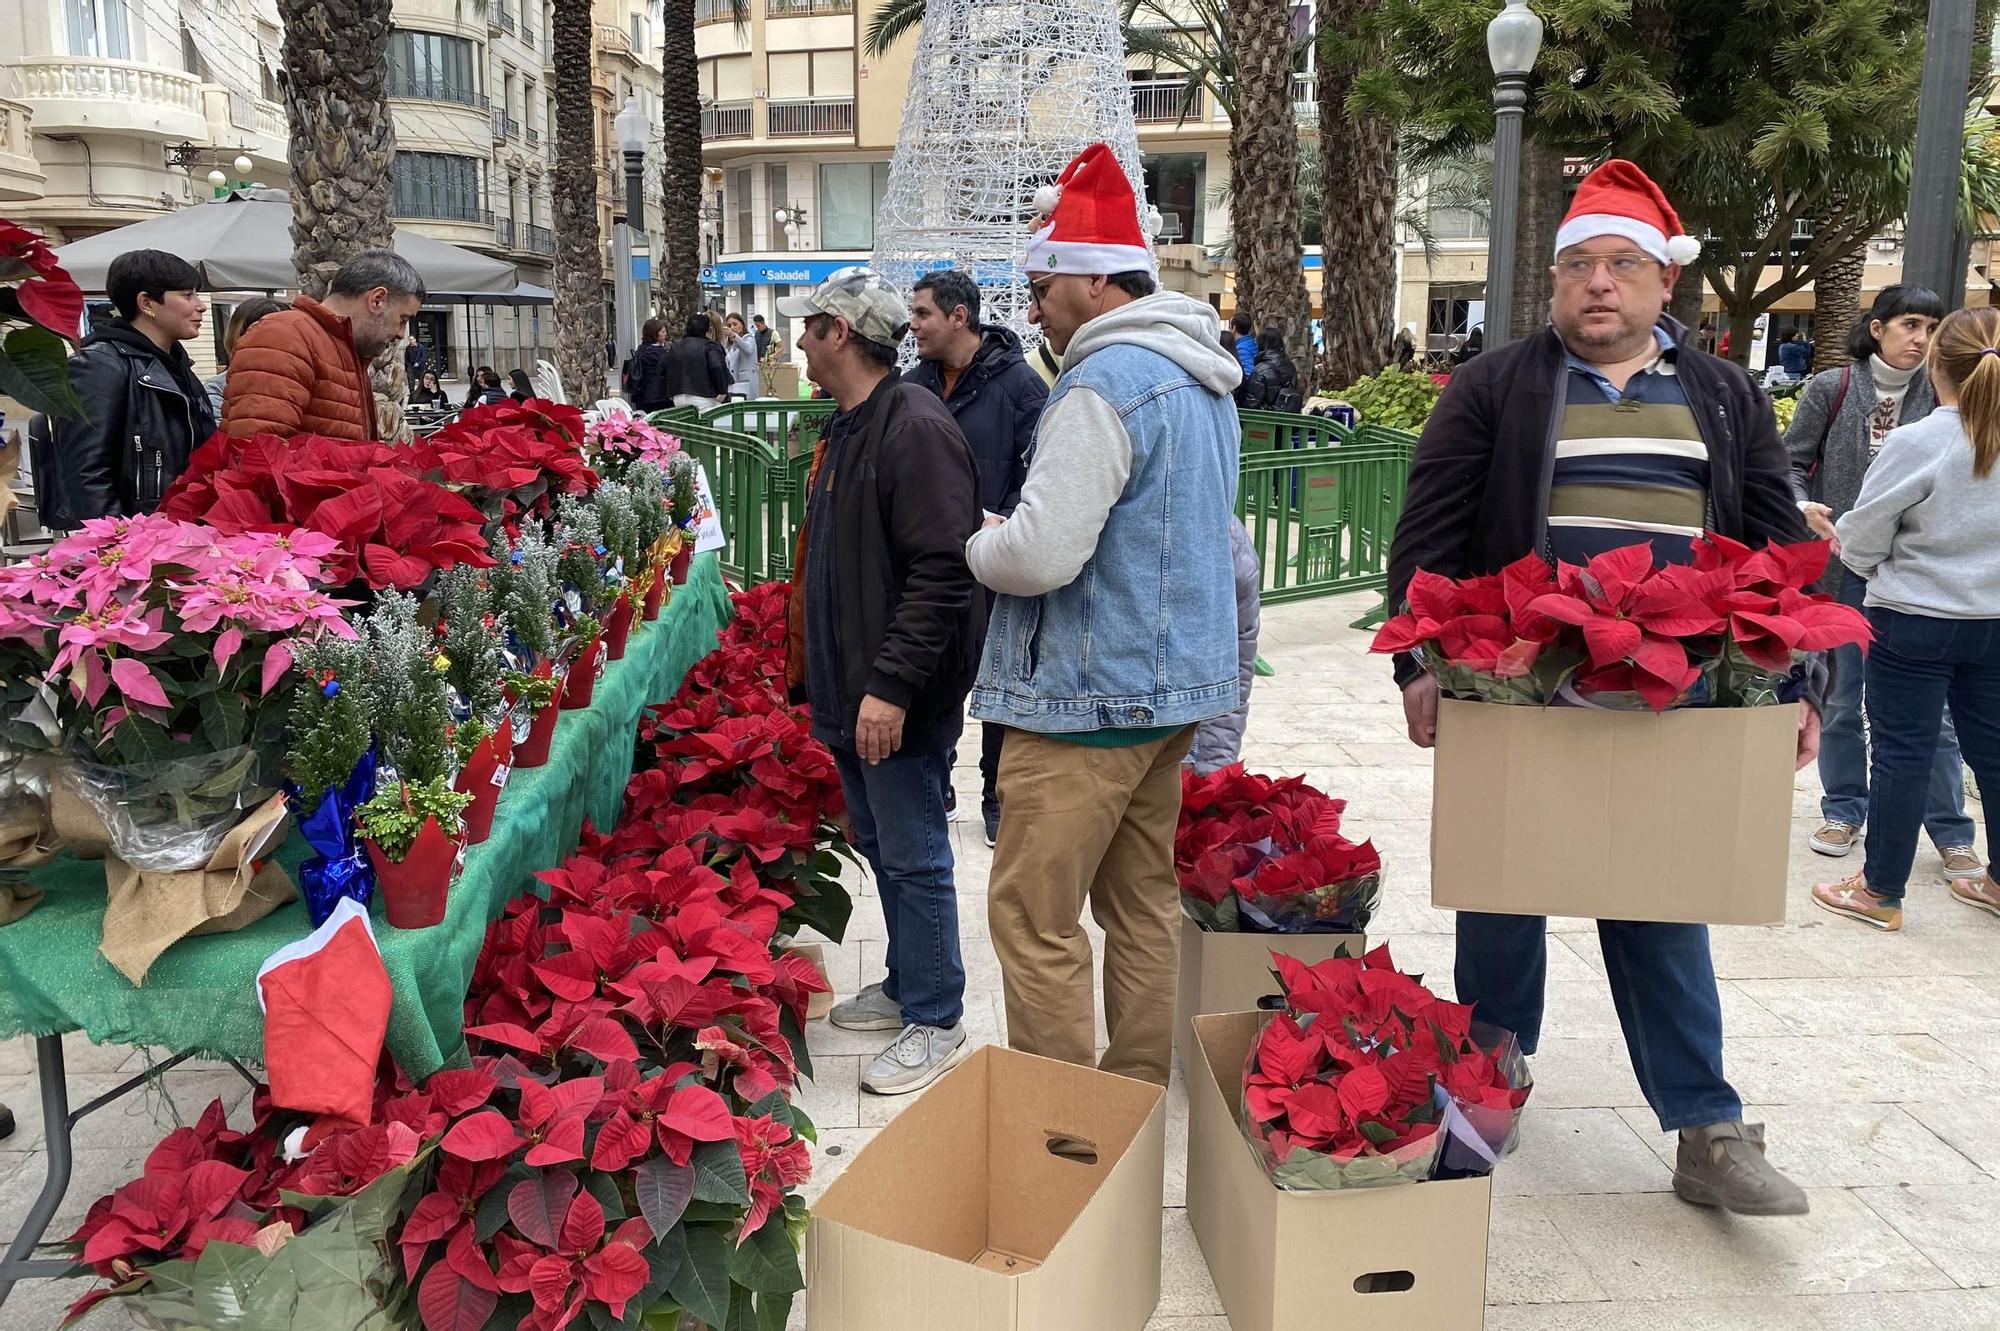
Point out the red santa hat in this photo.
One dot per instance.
(1093, 220)
(326, 1004)
(1618, 199)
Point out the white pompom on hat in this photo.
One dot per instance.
(1093, 222)
(1619, 199)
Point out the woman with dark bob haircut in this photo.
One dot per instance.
(1842, 419)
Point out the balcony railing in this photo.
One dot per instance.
(435, 90)
(725, 120)
(147, 87)
(503, 232)
(505, 127)
(539, 239)
(534, 137)
(613, 41)
(712, 11)
(501, 17)
(1305, 97)
(271, 122)
(812, 118)
(1160, 101)
(442, 210)
(527, 35)
(801, 8)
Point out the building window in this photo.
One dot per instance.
(432, 66)
(746, 212)
(781, 197)
(268, 81)
(1176, 185)
(849, 195)
(101, 29)
(438, 186)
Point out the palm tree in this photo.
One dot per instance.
(579, 275)
(1357, 164)
(336, 65)
(1264, 148)
(1836, 305)
(680, 171)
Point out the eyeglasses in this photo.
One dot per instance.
(1039, 291)
(1626, 267)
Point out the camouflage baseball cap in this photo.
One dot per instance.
(859, 295)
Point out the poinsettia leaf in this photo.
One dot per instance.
(664, 1190)
(701, 1283)
(1376, 1133)
(486, 1135)
(491, 1216)
(766, 1261)
(538, 1205)
(448, 1301)
(718, 1173)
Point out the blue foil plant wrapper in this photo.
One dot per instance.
(339, 866)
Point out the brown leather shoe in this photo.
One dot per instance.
(1723, 1165)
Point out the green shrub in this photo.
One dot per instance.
(1393, 398)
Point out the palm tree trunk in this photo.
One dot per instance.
(1264, 169)
(579, 275)
(680, 176)
(1836, 305)
(336, 65)
(1544, 199)
(1357, 173)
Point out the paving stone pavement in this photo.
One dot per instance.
(1874, 1059)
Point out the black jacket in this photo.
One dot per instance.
(1273, 385)
(997, 403)
(696, 367)
(904, 501)
(650, 391)
(1478, 491)
(145, 414)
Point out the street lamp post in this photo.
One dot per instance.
(628, 238)
(1513, 40)
(1931, 254)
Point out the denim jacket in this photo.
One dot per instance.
(1117, 605)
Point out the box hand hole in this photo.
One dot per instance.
(1072, 1148)
(1384, 1282)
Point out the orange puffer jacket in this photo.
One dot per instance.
(296, 372)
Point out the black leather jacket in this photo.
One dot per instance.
(145, 414)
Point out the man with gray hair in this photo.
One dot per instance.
(305, 370)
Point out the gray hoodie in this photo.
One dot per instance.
(1922, 531)
(1083, 456)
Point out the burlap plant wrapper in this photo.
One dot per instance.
(27, 841)
(77, 825)
(148, 911)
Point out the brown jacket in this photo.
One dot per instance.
(296, 372)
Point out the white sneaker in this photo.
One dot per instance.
(919, 1057)
(869, 1010)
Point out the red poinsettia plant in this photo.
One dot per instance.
(1364, 1076)
(1724, 630)
(41, 309)
(1256, 854)
(393, 528)
(510, 458)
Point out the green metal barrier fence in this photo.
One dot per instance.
(1319, 500)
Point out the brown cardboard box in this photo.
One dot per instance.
(1681, 816)
(1409, 1258)
(1231, 972)
(1019, 1194)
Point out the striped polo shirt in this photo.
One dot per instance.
(1630, 464)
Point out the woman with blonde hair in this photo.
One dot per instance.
(1923, 534)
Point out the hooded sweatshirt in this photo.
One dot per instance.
(1083, 454)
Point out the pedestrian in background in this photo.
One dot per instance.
(1922, 535)
(741, 358)
(697, 373)
(1218, 741)
(1843, 417)
(1274, 383)
(521, 389)
(241, 319)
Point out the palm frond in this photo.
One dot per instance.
(891, 22)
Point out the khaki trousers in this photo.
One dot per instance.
(1082, 823)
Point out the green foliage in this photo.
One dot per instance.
(682, 494)
(580, 537)
(469, 735)
(1394, 398)
(397, 813)
(472, 633)
(407, 696)
(648, 487)
(618, 521)
(533, 691)
(1785, 408)
(328, 734)
(525, 588)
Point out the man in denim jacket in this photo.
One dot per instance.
(1114, 632)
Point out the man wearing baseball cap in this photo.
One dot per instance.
(1609, 428)
(884, 639)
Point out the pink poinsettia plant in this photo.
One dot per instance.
(619, 441)
(1258, 854)
(1367, 1078)
(159, 635)
(1725, 629)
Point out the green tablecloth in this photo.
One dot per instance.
(200, 995)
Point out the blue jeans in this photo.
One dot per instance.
(1843, 751)
(1662, 983)
(1915, 667)
(896, 808)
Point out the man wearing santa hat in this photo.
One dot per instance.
(1609, 428)
(1114, 632)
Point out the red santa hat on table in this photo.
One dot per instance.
(1618, 199)
(326, 1013)
(1093, 220)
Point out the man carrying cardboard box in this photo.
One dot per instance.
(1114, 633)
(1609, 428)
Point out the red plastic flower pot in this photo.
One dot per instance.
(534, 750)
(680, 565)
(655, 595)
(414, 892)
(482, 778)
(618, 627)
(581, 686)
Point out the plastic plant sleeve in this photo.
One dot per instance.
(1338, 908)
(1299, 1169)
(338, 868)
(1477, 1136)
(170, 815)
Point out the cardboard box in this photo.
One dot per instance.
(1679, 816)
(1232, 972)
(1019, 1194)
(819, 1004)
(1408, 1258)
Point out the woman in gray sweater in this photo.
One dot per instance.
(1843, 417)
(1922, 533)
